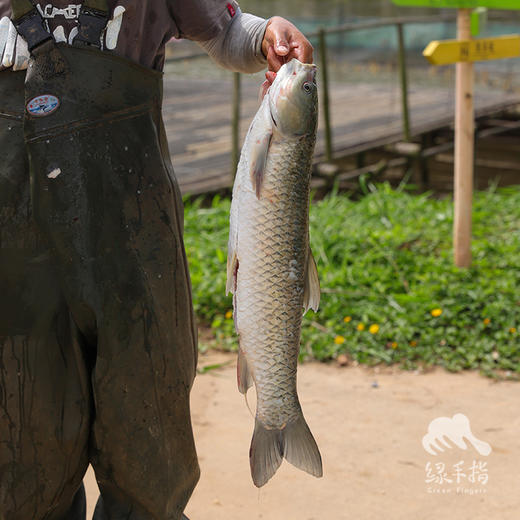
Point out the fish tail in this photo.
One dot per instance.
(301, 449)
(294, 443)
(266, 453)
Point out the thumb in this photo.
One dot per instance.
(281, 45)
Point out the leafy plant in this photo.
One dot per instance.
(390, 291)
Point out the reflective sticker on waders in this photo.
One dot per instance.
(43, 105)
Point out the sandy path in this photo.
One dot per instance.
(369, 427)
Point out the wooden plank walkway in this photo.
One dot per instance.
(197, 115)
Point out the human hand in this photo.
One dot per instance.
(13, 48)
(282, 42)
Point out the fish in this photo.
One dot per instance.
(270, 268)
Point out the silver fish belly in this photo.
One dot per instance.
(271, 271)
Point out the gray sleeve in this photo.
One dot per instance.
(239, 46)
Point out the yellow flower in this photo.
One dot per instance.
(229, 315)
(413, 343)
(512, 330)
(436, 312)
(487, 321)
(346, 319)
(394, 344)
(360, 326)
(339, 340)
(374, 329)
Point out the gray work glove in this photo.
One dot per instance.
(13, 48)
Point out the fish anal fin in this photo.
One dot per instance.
(259, 152)
(244, 378)
(311, 294)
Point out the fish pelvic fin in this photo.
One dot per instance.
(311, 294)
(232, 268)
(294, 443)
(244, 379)
(259, 152)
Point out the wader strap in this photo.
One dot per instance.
(93, 19)
(29, 23)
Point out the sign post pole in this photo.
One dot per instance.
(464, 149)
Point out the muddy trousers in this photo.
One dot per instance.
(97, 336)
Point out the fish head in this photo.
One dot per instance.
(293, 99)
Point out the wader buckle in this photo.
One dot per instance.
(30, 26)
(91, 24)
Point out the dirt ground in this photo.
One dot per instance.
(369, 425)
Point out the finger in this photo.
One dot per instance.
(4, 32)
(9, 46)
(281, 45)
(59, 34)
(270, 75)
(302, 51)
(22, 55)
(306, 52)
(278, 36)
(114, 27)
(274, 62)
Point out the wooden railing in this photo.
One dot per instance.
(321, 36)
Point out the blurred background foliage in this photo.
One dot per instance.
(390, 292)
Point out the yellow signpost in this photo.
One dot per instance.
(453, 51)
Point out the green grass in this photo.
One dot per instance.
(386, 260)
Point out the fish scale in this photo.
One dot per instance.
(271, 271)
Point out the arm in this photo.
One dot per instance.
(239, 46)
(239, 41)
(249, 42)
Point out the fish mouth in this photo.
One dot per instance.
(295, 63)
(287, 69)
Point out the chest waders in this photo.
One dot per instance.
(97, 335)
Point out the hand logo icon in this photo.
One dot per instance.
(456, 430)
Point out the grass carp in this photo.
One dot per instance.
(271, 271)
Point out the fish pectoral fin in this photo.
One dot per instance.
(244, 379)
(259, 152)
(311, 293)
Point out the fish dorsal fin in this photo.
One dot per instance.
(311, 294)
(259, 152)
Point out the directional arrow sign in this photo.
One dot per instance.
(453, 51)
(461, 4)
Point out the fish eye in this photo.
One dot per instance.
(307, 87)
